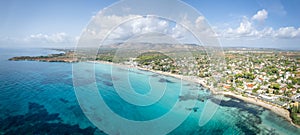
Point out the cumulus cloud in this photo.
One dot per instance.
(178, 32)
(288, 32)
(114, 28)
(111, 28)
(45, 38)
(261, 15)
(102, 27)
(247, 29)
(59, 39)
(200, 22)
(140, 26)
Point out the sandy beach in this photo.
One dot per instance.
(272, 107)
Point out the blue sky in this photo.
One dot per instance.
(251, 23)
(281, 13)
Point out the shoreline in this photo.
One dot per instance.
(271, 107)
(274, 108)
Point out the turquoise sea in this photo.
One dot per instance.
(39, 98)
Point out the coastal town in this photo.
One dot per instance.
(270, 76)
(265, 75)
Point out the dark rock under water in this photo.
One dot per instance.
(38, 121)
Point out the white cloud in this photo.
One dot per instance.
(139, 26)
(114, 28)
(102, 26)
(261, 15)
(283, 32)
(121, 28)
(45, 38)
(178, 32)
(60, 39)
(245, 28)
(288, 32)
(200, 23)
(248, 30)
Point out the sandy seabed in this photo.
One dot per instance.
(274, 108)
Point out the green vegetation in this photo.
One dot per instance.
(232, 88)
(256, 89)
(105, 58)
(157, 60)
(61, 57)
(275, 86)
(246, 75)
(294, 112)
(151, 57)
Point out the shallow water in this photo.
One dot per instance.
(38, 98)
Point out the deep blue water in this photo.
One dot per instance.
(39, 98)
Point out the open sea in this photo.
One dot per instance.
(39, 98)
